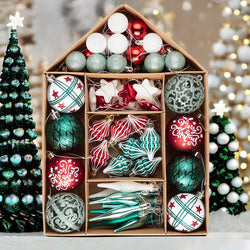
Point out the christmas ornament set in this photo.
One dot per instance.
(131, 205)
(131, 94)
(134, 157)
(137, 156)
(125, 45)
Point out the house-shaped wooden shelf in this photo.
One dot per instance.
(162, 117)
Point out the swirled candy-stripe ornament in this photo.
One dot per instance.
(150, 141)
(119, 166)
(65, 212)
(65, 173)
(186, 212)
(184, 93)
(184, 133)
(132, 148)
(65, 93)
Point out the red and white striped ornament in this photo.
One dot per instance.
(99, 157)
(100, 129)
(138, 123)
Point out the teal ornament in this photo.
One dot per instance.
(116, 63)
(19, 132)
(175, 61)
(132, 148)
(8, 174)
(65, 212)
(145, 167)
(65, 133)
(184, 93)
(5, 134)
(27, 199)
(12, 203)
(154, 63)
(75, 61)
(96, 63)
(31, 133)
(22, 172)
(15, 159)
(150, 141)
(119, 166)
(185, 172)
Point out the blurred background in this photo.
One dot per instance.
(214, 32)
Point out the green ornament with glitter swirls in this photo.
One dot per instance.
(65, 133)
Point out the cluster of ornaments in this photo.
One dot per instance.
(129, 95)
(126, 205)
(138, 154)
(127, 46)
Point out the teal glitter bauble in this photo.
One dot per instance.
(116, 63)
(75, 61)
(96, 63)
(184, 93)
(185, 172)
(154, 63)
(65, 212)
(12, 203)
(65, 133)
(174, 60)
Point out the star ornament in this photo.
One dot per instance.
(220, 108)
(15, 21)
(146, 91)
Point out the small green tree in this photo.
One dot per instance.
(20, 173)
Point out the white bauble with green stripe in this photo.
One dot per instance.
(185, 212)
(65, 93)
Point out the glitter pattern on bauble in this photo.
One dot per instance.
(154, 63)
(96, 63)
(184, 93)
(175, 61)
(75, 61)
(65, 212)
(116, 63)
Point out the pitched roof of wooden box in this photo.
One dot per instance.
(81, 44)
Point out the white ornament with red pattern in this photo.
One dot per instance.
(185, 212)
(65, 93)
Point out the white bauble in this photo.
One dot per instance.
(117, 43)
(211, 167)
(232, 197)
(239, 97)
(223, 138)
(233, 146)
(238, 70)
(242, 133)
(244, 53)
(230, 48)
(227, 33)
(226, 12)
(245, 112)
(219, 49)
(247, 99)
(234, 4)
(152, 42)
(223, 189)
(223, 209)
(213, 81)
(118, 23)
(245, 83)
(213, 147)
(236, 182)
(96, 43)
(244, 198)
(230, 128)
(232, 164)
(213, 128)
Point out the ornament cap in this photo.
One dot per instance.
(50, 155)
(55, 114)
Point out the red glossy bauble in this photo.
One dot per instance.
(184, 133)
(137, 29)
(64, 173)
(87, 53)
(135, 54)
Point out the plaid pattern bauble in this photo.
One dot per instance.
(186, 212)
(66, 94)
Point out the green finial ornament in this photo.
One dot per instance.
(132, 148)
(119, 166)
(145, 167)
(184, 93)
(150, 141)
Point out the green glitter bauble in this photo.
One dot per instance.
(174, 60)
(75, 61)
(116, 63)
(184, 93)
(96, 63)
(65, 133)
(185, 172)
(154, 63)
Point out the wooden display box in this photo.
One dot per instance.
(160, 118)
